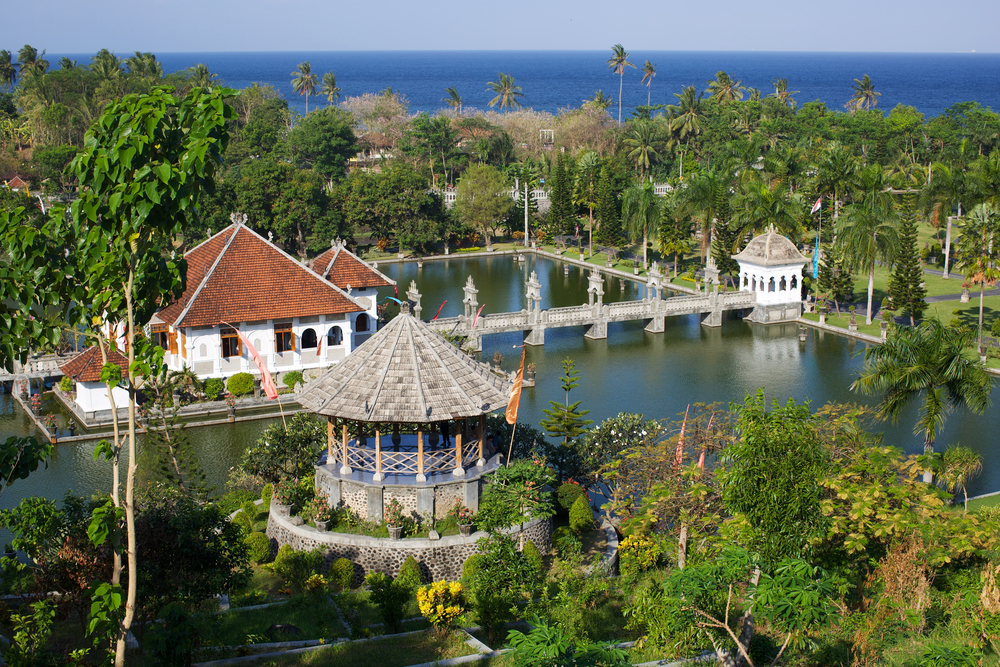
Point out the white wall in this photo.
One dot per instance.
(93, 396)
(787, 282)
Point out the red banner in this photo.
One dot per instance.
(515, 394)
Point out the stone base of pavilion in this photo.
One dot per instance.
(367, 496)
(439, 559)
(774, 313)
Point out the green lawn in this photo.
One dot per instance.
(842, 321)
(316, 619)
(979, 503)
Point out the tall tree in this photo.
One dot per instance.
(906, 280)
(8, 69)
(329, 88)
(561, 213)
(304, 81)
(979, 252)
(641, 214)
(643, 140)
(725, 89)
(325, 140)
(782, 93)
(481, 200)
(31, 62)
(864, 96)
(506, 92)
(566, 420)
(609, 224)
(618, 62)
(454, 100)
(648, 73)
(926, 363)
(588, 174)
(952, 186)
(686, 116)
(836, 170)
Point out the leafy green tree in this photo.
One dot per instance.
(609, 223)
(171, 457)
(957, 466)
(304, 81)
(325, 140)
(506, 92)
(52, 162)
(617, 63)
(588, 174)
(548, 645)
(566, 420)
(771, 479)
(979, 252)
(648, 74)
(641, 214)
(501, 577)
(8, 69)
(864, 96)
(481, 200)
(433, 139)
(725, 89)
(906, 280)
(643, 139)
(561, 215)
(925, 363)
(835, 280)
(282, 454)
(516, 494)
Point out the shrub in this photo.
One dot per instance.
(995, 327)
(266, 493)
(66, 384)
(292, 378)
(240, 384)
(567, 493)
(471, 566)
(295, 567)
(214, 387)
(318, 509)
(250, 509)
(258, 547)
(232, 501)
(637, 553)
(342, 573)
(390, 597)
(174, 641)
(410, 574)
(442, 604)
(581, 517)
(533, 555)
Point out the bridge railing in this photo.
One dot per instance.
(566, 314)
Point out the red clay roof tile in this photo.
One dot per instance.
(86, 366)
(342, 268)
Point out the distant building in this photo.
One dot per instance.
(771, 268)
(13, 181)
(85, 370)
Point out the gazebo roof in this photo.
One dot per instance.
(771, 249)
(406, 372)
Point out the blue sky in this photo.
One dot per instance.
(123, 26)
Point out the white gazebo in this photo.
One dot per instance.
(771, 267)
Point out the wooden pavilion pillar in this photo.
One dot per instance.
(378, 456)
(421, 477)
(345, 469)
(459, 471)
(482, 436)
(329, 439)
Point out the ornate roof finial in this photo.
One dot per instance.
(238, 218)
(270, 237)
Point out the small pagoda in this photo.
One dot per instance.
(406, 420)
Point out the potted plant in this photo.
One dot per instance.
(464, 517)
(285, 494)
(393, 519)
(24, 390)
(50, 423)
(8, 551)
(36, 403)
(320, 512)
(142, 414)
(231, 406)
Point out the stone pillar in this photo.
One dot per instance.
(475, 342)
(597, 330)
(413, 296)
(471, 495)
(378, 477)
(471, 300)
(711, 272)
(534, 295)
(713, 318)
(595, 289)
(535, 336)
(374, 503)
(425, 501)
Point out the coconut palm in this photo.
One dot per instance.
(725, 89)
(618, 62)
(8, 69)
(928, 363)
(454, 100)
(951, 186)
(329, 88)
(979, 252)
(304, 81)
(201, 77)
(641, 213)
(31, 61)
(958, 465)
(685, 116)
(704, 191)
(836, 171)
(600, 100)
(144, 65)
(864, 96)
(506, 92)
(987, 173)
(870, 232)
(758, 206)
(106, 65)
(643, 138)
(782, 93)
(588, 172)
(648, 72)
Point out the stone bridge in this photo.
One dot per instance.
(37, 366)
(595, 315)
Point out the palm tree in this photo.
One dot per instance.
(454, 100)
(958, 465)
(836, 171)
(987, 172)
(106, 65)
(686, 115)
(702, 195)
(588, 172)
(8, 70)
(144, 65)
(926, 362)
(201, 77)
(870, 233)
(951, 186)
(864, 96)
(329, 88)
(600, 100)
(304, 81)
(979, 252)
(782, 93)
(618, 62)
(759, 206)
(506, 92)
(641, 213)
(31, 61)
(643, 138)
(725, 89)
(648, 72)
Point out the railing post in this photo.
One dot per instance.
(421, 477)
(378, 456)
(345, 468)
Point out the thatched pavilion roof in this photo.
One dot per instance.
(406, 373)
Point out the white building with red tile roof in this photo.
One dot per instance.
(294, 317)
(85, 370)
(352, 274)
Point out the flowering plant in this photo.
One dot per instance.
(318, 509)
(393, 516)
(230, 400)
(442, 603)
(141, 412)
(50, 421)
(286, 492)
(462, 513)
(36, 402)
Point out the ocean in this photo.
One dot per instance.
(555, 80)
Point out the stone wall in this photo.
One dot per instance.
(439, 559)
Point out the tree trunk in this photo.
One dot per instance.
(871, 290)
(982, 290)
(928, 451)
(682, 544)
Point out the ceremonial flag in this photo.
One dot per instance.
(816, 206)
(439, 309)
(515, 394)
(476, 318)
(266, 383)
(679, 458)
(319, 344)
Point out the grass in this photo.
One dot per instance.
(360, 612)
(843, 321)
(398, 652)
(314, 617)
(979, 503)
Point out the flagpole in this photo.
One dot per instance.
(819, 232)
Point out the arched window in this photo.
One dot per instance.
(361, 324)
(795, 282)
(334, 336)
(770, 285)
(746, 280)
(308, 339)
(755, 283)
(782, 286)
(202, 350)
